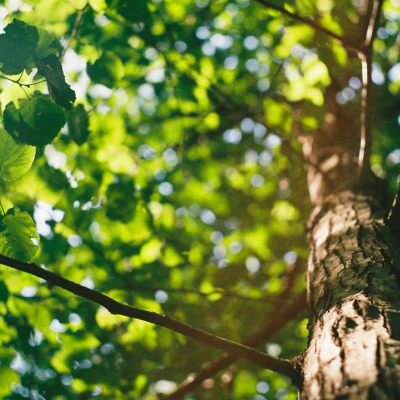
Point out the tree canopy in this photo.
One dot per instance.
(149, 150)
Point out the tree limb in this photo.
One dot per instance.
(278, 365)
(279, 318)
(341, 40)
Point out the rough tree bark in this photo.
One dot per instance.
(353, 274)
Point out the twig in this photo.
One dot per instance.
(275, 364)
(373, 23)
(366, 131)
(74, 30)
(366, 109)
(28, 85)
(393, 219)
(343, 41)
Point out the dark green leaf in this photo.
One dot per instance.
(16, 47)
(78, 124)
(108, 70)
(3, 292)
(118, 207)
(135, 11)
(50, 67)
(36, 122)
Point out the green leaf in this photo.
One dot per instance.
(50, 67)
(46, 44)
(3, 292)
(15, 159)
(16, 47)
(108, 70)
(117, 207)
(36, 122)
(78, 124)
(16, 238)
(135, 11)
(8, 378)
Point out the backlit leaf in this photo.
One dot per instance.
(15, 159)
(16, 237)
(78, 124)
(8, 378)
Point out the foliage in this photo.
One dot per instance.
(167, 175)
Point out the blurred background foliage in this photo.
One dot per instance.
(182, 191)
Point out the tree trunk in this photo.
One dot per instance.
(353, 280)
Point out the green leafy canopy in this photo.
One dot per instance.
(176, 185)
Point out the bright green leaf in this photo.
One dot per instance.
(8, 378)
(17, 234)
(15, 159)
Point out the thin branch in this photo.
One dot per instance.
(279, 318)
(340, 39)
(28, 85)
(238, 350)
(74, 30)
(366, 107)
(373, 23)
(393, 219)
(366, 126)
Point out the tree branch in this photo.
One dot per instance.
(366, 129)
(74, 29)
(341, 40)
(279, 318)
(366, 109)
(238, 350)
(393, 220)
(373, 23)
